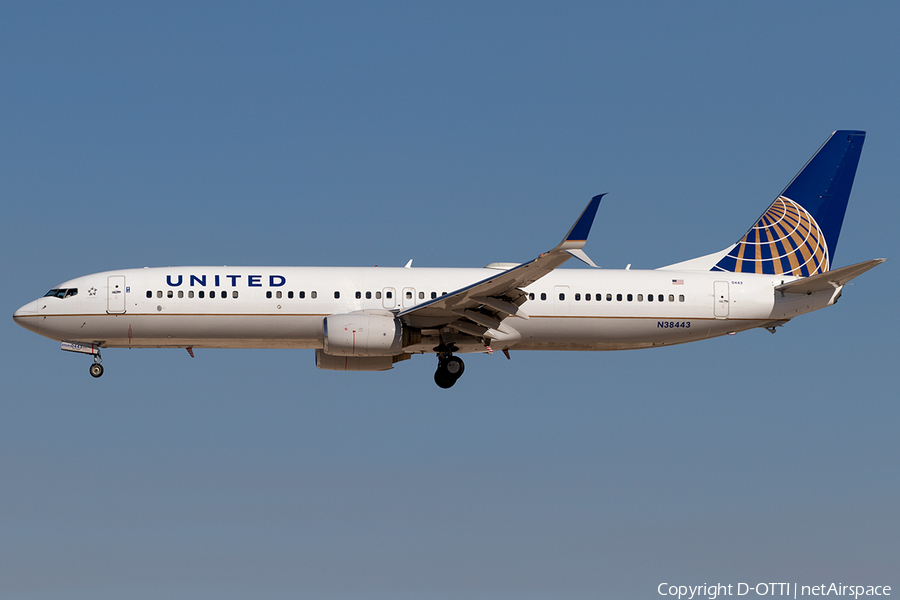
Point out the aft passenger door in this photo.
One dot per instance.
(115, 294)
(720, 291)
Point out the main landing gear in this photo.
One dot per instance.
(450, 368)
(96, 369)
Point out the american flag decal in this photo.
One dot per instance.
(678, 282)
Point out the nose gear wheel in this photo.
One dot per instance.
(96, 369)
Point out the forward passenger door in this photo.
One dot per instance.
(115, 294)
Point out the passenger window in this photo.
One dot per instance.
(159, 293)
(660, 297)
(640, 298)
(290, 295)
(531, 296)
(577, 297)
(368, 295)
(190, 293)
(212, 294)
(180, 293)
(681, 297)
(562, 296)
(234, 294)
(170, 294)
(268, 294)
(301, 294)
(313, 295)
(443, 293)
(409, 295)
(337, 295)
(543, 296)
(630, 297)
(389, 295)
(278, 294)
(649, 297)
(433, 295)
(671, 297)
(421, 295)
(619, 297)
(378, 295)
(587, 296)
(200, 294)
(358, 295)
(149, 293)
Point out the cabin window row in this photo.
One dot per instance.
(618, 297)
(269, 294)
(389, 294)
(190, 294)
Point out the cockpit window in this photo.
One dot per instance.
(62, 293)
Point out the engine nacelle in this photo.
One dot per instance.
(363, 334)
(355, 363)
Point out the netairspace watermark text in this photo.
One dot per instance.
(714, 590)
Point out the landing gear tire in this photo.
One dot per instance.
(449, 370)
(443, 379)
(96, 370)
(454, 366)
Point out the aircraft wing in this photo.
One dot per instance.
(481, 306)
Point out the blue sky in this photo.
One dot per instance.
(456, 135)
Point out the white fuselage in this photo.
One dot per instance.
(284, 307)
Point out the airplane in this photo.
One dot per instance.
(370, 318)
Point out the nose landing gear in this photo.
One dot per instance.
(96, 369)
(450, 368)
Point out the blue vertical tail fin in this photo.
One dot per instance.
(798, 234)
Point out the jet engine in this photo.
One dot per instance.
(363, 334)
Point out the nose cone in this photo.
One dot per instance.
(27, 316)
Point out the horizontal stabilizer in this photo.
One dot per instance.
(830, 280)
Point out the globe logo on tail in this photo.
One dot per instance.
(785, 241)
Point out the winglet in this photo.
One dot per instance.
(578, 235)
